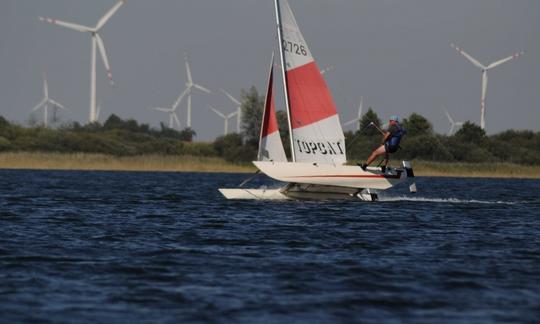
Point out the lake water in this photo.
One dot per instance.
(166, 247)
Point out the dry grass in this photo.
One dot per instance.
(82, 161)
(481, 170)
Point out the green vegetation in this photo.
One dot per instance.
(120, 139)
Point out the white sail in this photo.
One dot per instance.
(270, 145)
(317, 135)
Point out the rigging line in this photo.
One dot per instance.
(357, 135)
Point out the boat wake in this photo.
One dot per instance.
(384, 198)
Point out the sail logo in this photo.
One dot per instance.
(323, 148)
(294, 48)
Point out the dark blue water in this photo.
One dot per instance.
(166, 247)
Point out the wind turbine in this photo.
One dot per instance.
(357, 119)
(96, 42)
(173, 117)
(190, 85)
(98, 110)
(238, 109)
(225, 118)
(453, 123)
(484, 77)
(327, 69)
(44, 103)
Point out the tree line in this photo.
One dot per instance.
(127, 137)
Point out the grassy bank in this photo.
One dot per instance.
(81, 161)
(480, 170)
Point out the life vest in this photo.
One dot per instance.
(395, 138)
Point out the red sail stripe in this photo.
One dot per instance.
(270, 124)
(309, 96)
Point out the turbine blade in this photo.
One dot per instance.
(218, 112)
(448, 115)
(109, 14)
(361, 107)
(103, 53)
(232, 114)
(45, 87)
(504, 60)
(470, 58)
(188, 70)
(161, 109)
(350, 122)
(180, 97)
(40, 104)
(233, 99)
(175, 117)
(200, 87)
(98, 111)
(77, 27)
(57, 104)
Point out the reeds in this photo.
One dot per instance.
(84, 161)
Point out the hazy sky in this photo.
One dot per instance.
(395, 53)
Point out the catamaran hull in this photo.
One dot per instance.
(312, 182)
(300, 192)
(345, 176)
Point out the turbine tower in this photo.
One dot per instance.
(190, 85)
(357, 119)
(44, 103)
(453, 123)
(97, 41)
(173, 117)
(225, 118)
(238, 109)
(484, 69)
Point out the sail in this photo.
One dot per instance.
(270, 145)
(317, 135)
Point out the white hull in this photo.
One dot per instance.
(253, 194)
(299, 192)
(324, 182)
(332, 175)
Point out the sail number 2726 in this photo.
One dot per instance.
(294, 48)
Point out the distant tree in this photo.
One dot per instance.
(187, 134)
(231, 148)
(417, 125)
(370, 116)
(32, 120)
(470, 133)
(113, 122)
(3, 122)
(252, 110)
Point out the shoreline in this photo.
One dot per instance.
(165, 163)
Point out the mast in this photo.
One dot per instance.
(284, 75)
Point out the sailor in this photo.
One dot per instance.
(390, 142)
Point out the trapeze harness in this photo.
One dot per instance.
(392, 144)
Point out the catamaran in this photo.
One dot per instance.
(317, 169)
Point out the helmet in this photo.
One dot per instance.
(394, 118)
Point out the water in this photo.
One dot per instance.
(166, 247)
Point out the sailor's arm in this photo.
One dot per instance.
(386, 136)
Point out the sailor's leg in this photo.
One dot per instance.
(386, 159)
(380, 151)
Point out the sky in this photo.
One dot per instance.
(394, 53)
